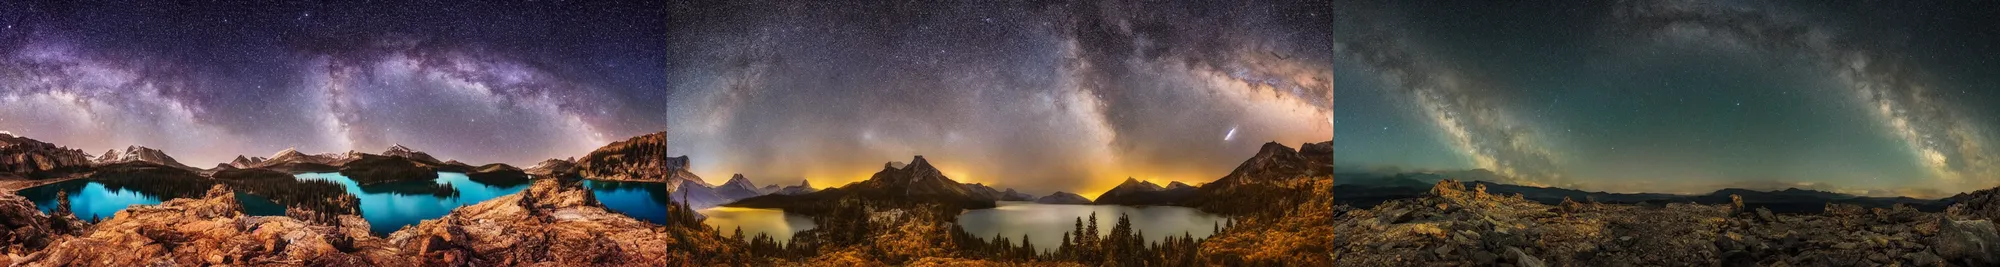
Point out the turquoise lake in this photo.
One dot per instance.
(390, 206)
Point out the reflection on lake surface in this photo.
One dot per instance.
(648, 201)
(88, 199)
(391, 206)
(1045, 224)
(773, 222)
(92, 199)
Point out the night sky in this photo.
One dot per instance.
(1862, 97)
(1039, 96)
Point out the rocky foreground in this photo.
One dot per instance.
(552, 223)
(212, 230)
(1458, 226)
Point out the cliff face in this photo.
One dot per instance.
(30, 158)
(554, 223)
(213, 231)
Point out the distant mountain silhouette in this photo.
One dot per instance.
(1365, 190)
(917, 183)
(1142, 193)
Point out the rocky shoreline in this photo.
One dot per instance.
(1453, 225)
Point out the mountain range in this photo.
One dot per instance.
(1142, 193)
(1362, 190)
(914, 184)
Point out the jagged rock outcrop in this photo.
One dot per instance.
(554, 223)
(213, 231)
(1136, 192)
(140, 154)
(803, 188)
(640, 159)
(1063, 198)
(33, 159)
(24, 229)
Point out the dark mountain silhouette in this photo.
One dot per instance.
(1143, 193)
(1365, 190)
(916, 184)
(1267, 178)
(1063, 198)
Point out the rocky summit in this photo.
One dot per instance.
(1457, 225)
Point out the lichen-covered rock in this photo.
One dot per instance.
(213, 231)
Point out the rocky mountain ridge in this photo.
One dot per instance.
(22, 157)
(140, 153)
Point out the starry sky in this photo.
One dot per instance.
(206, 82)
(1035, 95)
(1885, 98)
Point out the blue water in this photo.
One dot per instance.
(648, 202)
(387, 210)
(87, 199)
